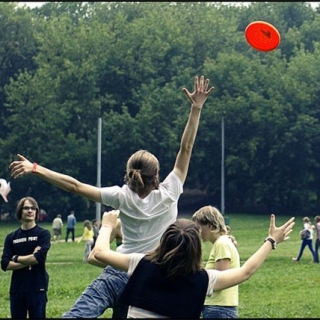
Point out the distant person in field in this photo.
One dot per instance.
(87, 236)
(57, 225)
(223, 256)
(71, 224)
(169, 281)
(25, 253)
(306, 239)
(95, 226)
(317, 242)
(147, 206)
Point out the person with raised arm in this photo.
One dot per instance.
(147, 206)
(169, 281)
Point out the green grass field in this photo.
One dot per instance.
(281, 288)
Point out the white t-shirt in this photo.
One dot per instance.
(144, 220)
(307, 226)
(135, 312)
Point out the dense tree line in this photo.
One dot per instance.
(66, 64)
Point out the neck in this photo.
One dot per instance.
(214, 237)
(26, 225)
(146, 192)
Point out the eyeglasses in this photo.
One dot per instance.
(29, 208)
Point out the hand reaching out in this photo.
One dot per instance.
(200, 94)
(20, 167)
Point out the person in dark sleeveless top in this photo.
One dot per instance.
(169, 281)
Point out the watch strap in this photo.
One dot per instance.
(15, 258)
(272, 241)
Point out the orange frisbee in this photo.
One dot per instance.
(262, 36)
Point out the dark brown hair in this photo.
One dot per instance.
(20, 204)
(142, 171)
(179, 251)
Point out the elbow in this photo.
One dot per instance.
(93, 255)
(97, 256)
(91, 258)
(187, 148)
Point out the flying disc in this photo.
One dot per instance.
(262, 36)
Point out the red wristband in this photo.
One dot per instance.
(34, 169)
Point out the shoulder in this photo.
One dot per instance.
(172, 184)
(12, 233)
(172, 176)
(135, 258)
(41, 229)
(223, 241)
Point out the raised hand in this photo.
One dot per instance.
(200, 94)
(281, 233)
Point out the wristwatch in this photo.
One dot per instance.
(273, 242)
(15, 258)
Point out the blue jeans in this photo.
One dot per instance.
(306, 242)
(101, 294)
(32, 303)
(214, 312)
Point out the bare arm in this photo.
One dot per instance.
(102, 251)
(231, 277)
(115, 234)
(23, 166)
(222, 264)
(197, 98)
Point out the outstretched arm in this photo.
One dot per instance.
(23, 166)
(198, 97)
(102, 251)
(231, 277)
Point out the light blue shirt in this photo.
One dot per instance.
(71, 221)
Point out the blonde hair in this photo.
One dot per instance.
(142, 171)
(211, 216)
(306, 219)
(87, 224)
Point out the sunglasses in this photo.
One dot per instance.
(29, 208)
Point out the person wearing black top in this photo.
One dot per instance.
(25, 252)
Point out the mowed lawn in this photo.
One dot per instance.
(281, 288)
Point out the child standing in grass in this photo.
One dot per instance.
(223, 256)
(25, 254)
(87, 236)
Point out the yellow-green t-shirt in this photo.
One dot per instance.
(223, 248)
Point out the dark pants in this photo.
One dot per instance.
(72, 234)
(316, 251)
(303, 245)
(32, 303)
